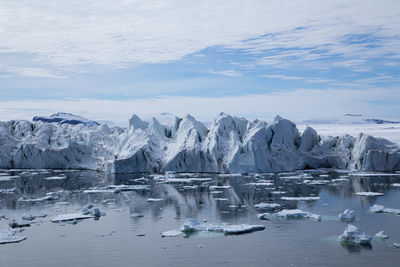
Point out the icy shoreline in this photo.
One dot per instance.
(230, 145)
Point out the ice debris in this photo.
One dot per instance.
(19, 224)
(347, 215)
(354, 235)
(264, 205)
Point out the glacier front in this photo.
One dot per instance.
(230, 145)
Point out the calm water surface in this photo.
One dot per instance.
(118, 239)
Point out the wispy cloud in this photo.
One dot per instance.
(33, 72)
(117, 34)
(229, 73)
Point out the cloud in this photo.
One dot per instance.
(122, 33)
(229, 73)
(282, 77)
(33, 72)
(296, 105)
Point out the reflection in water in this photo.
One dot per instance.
(212, 197)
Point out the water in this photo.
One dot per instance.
(117, 239)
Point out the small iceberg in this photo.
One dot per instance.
(347, 215)
(354, 235)
(28, 217)
(381, 209)
(154, 199)
(8, 236)
(290, 214)
(382, 235)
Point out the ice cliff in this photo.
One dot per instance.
(231, 144)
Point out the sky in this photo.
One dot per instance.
(107, 60)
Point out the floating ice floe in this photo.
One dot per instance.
(315, 182)
(8, 236)
(354, 235)
(260, 184)
(372, 174)
(396, 185)
(347, 215)
(382, 235)
(154, 199)
(300, 198)
(219, 187)
(396, 245)
(19, 224)
(130, 187)
(290, 214)
(136, 215)
(369, 194)
(381, 209)
(171, 233)
(49, 196)
(264, 205)
(28, 217)
(55, 178)
(192, 225)
(70, 217)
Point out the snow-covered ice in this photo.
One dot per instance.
(354, 235)
(192, 225)
(171, 233)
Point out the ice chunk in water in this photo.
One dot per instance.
(382, 235)
(369, 194)
(15, 224)
(28, 217)
(381, 209)
(8, 236)
(354, 235)
(347, 215)
(70, 217)
(290, 214)
(171, 233)
(191, 225)
(300, 198)
(264, 205)
(242, 228)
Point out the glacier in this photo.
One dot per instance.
(230, 145)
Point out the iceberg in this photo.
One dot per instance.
(354, 235)
(231, 146)
(347, 215)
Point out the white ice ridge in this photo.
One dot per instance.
(230, 145)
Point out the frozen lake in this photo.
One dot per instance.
(137, 212)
